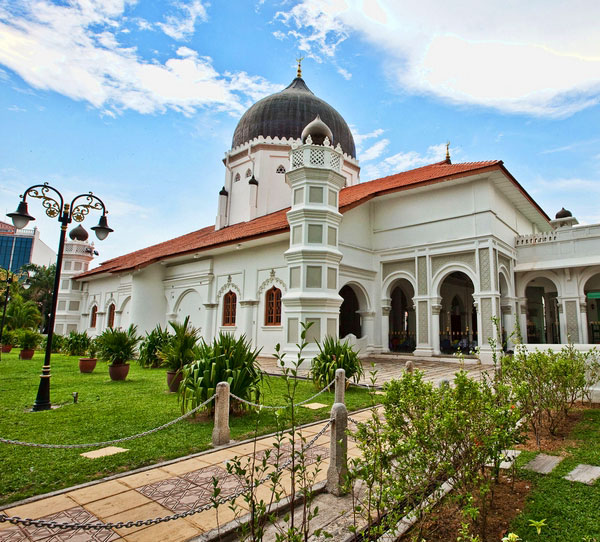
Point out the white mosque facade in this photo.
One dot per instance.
(422, 262)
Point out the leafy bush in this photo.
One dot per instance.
(227, 359)
(180, 349)
(57, 342)
(333, 355)
(77, 344)
(9, 337)
(547, 384)
(152, 343)
(117, 346)
(28, 339)
(22, 314)
(429, 435)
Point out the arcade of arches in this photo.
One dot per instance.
(458, 315)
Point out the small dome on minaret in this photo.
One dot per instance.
(563, 213)
(317, 130)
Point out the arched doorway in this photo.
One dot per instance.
(542, 312)
(592, 298)
(458, 316)
(402, 318)
(349, 316)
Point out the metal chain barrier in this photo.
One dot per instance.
(27, 522)
(285, 406)
(115, 441)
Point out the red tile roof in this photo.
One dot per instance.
(350, 197)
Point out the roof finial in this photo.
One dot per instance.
(448, 152)
(299, 60)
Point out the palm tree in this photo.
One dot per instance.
(22, 314)
(41, 280)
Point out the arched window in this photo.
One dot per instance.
(273, 307)
(237, 177)
(111, 315)
(248, 173)
(94, 316)
(229, 306)
(280, 169)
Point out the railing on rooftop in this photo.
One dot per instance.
(536, 238)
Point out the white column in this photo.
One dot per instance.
(436, 309)
(583, 322)
(385, 325)
(210, 323)
(368, 329)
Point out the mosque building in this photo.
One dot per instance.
(423, 261)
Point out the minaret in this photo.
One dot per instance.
(313, 257)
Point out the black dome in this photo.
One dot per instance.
(286, 113)
(563, 213)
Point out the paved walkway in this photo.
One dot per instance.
(183, 484)
(158, 491)
(390, 366)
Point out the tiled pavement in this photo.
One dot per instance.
(155, 492)
(390, 366)
(179, 485)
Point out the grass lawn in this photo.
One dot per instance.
(107, 410)
(571, 509)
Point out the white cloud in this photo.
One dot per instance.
(182, 25)
(480, 53)
(16, 109)
(374, 151)
(403, 161)
(73, 50)
(359, 138)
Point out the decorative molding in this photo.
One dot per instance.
(572, 324)
(229, 285)
(272, 280)
(422, 275)
(465, 258)
(408, 266)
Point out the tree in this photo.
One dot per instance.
(41, 279)
(22, 314)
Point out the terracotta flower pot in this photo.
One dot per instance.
(27, 353)
(173, 380)
(118, 372)
(6, 348)
(87, 365)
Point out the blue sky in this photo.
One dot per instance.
(137, 101)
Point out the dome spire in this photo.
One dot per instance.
(299, 60)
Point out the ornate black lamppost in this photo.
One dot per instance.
(77, 210)
(9, 278)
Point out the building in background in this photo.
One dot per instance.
(20, 247)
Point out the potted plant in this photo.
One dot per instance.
(333, 355)
(87, 365)
(178, 351)
(29, 340)
(117, 347)
(8, 340)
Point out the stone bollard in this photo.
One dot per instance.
(340, 386)
(220, 434)
(338, 455)
(409, 366)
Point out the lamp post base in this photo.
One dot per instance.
(42, 401)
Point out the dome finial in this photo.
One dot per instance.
(448, 153)
(299, 60)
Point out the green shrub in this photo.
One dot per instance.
(227, 359)
(77, 344)
(117, 346)
(9, 337)
(93, 348)
(58, 342)
(152, 343)
(180, 349)
(429, 435)
(547, 384)
(333, 355)
(28, 339)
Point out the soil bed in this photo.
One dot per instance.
(445, 523)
